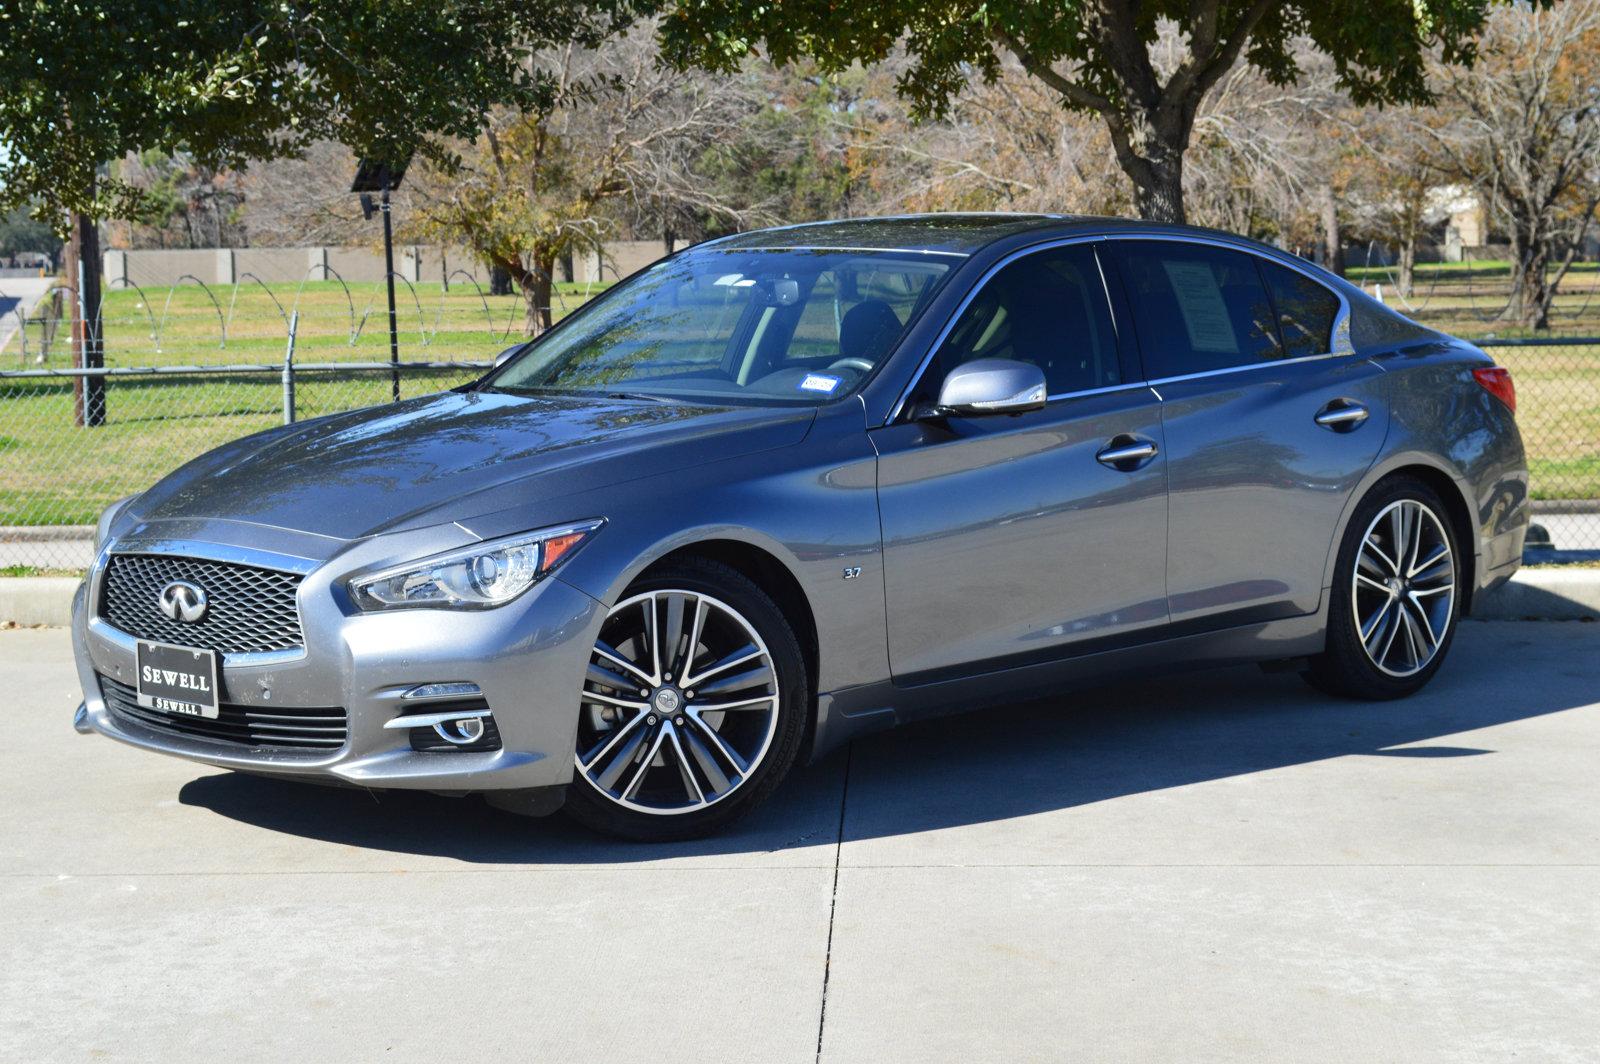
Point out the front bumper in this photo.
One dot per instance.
(527, 657)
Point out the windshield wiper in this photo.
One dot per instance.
(640, 396)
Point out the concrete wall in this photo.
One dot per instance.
(225, 266)
(616, 260)
(145, 268)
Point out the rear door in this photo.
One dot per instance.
(1014, 539)
(1268, 425)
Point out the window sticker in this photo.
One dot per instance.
(1205, 315)
(820, 382)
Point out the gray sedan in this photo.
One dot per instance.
(792, 486)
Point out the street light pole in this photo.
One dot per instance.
(373, 176)
(388, 266)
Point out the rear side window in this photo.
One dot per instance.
(1306, 310)
(1196, 308)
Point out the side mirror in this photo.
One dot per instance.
(505, 356)
(992, 386)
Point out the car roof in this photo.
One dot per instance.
(950, 233)
(954, 233)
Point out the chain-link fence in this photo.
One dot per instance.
(1558, 411)
(188, 368)
(57, 474)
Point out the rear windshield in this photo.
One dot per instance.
(789, 326)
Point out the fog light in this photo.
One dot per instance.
(461, 731)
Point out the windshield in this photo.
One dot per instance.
(770, 326)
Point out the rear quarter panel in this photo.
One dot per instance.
(1443, 420)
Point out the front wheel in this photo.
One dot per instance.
(1395, 595)
(693, 707)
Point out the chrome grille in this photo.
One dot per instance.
(278, 728)
(251, 611)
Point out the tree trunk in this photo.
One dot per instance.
(1529, 303)
(536, 286)
(1332, 240)
(1159, 196)
(1533, 287)
(536, 290)
(1152, 157)
(1408, 265)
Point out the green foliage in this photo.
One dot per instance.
(20, 232)
(1378, 46)
(1098, 56)
(86, 81)
(786, 158)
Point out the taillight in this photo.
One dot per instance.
(1496, 380)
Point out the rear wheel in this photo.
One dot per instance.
(693, 707)
(1396, 594)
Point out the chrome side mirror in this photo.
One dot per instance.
(992, 386)
(505, 356)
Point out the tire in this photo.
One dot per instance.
(658, 762)
(1384, 639)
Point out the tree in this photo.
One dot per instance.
(85, 82)
(1395, 189)
(21, 233)
(183, 205)
(1527, 136)
(1096, 55)
(536, 184)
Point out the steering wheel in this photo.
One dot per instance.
(862, 364)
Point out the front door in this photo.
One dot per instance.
(1015, 539)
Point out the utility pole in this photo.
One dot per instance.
(88, 347)
(388, 266)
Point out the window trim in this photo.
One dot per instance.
(1342, 346)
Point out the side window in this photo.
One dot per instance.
(1306, 310)
(1196, 308)
(1048, 308)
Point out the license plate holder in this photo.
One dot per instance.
(177, 680)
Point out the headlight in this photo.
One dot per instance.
(478, 577)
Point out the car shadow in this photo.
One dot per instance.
(1071, 750)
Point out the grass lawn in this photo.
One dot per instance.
(52, 472)
(34, 570)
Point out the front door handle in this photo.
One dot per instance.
(1126, 453)
(1342, 415)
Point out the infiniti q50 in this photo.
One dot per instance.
(791, 486)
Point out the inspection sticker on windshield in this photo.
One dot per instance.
(820, 382)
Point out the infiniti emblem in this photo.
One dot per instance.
(183, 601)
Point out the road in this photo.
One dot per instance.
(17, 297)
(1216, 867)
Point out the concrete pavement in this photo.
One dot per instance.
(1221, 866)
(17, 298)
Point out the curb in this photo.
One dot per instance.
(1531, 595)
(1543, 595)
(37, 599)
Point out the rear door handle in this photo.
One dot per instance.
(1126, 453)
(1342, 415)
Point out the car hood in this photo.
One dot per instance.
(451, 457)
